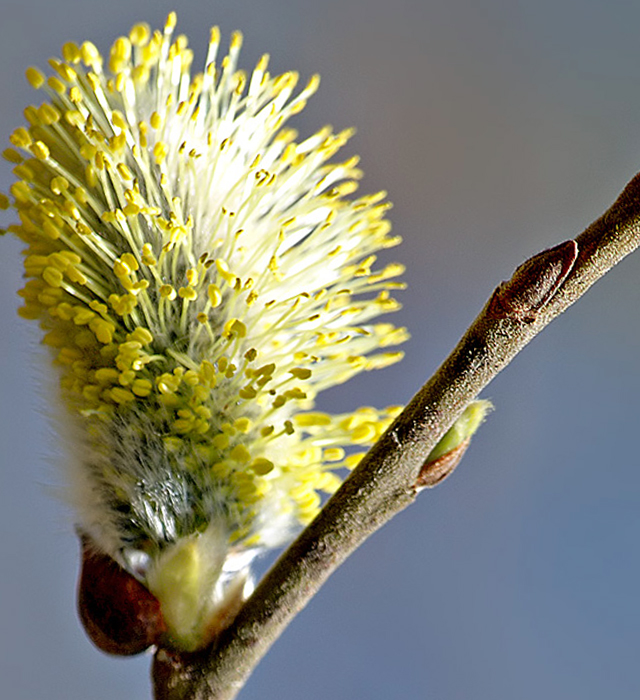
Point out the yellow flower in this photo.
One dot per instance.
(200, 276)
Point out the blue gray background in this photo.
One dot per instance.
(499, 128)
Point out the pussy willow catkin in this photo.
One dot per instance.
(199, 275)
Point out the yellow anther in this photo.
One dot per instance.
(52, 276)
(66, 72)
(188, 293)
(123, 305)
(266, 370)
(120, 395)
(167, 292)
(333, 454)
(363, 434)
(328, 482)
(88, 151)
(170, 23)
(204, 412)
(148, 257)
(242, 425)
(35, 77)
(130, 261)
(126, 377)
(118, 142)
(141, 387)
(76, 276)
(155, 120)
(168, 383)
(207, 373)
(131, 210)
(215, 296)
(191, 378)
(240, 454)
(82, 229)
(236, 41)
(223, 269)
(75, 118)
(69, 257)
(139, 286)
(101, 163)
(64, 311)
(300, 372)
(118, 120)
(23, 172)
(91, 393)
(241, 83)
(90, 175)
(71, 210)
(83, 317)
(295, 393)
(106, 375)
(21, 191)
(160, 152)
(192, 277)
(235, 327)
(220, 441)
(120, 268)
(140, 34)
(12, 156)
(35, 264)
(120, 54)
(31, 115)
(301, 492)
(309, 419)
(140, 335)
(262, 466)
(71, 52)
(383, 360)
(103, 330)
(57, 85)
(247, 392)
(129, 346)
(69, 355)
(59, 185)
(251, 354)
(98, 307)
(21, 138)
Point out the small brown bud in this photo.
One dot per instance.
(534, 283)
(118, 613)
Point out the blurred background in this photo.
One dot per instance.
(499, 128)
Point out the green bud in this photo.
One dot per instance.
(463, 429)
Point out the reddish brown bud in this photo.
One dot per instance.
(534, 283)
(118, 613)
(437, 470)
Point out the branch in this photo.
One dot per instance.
(387, 479)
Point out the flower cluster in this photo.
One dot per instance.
(200, 276)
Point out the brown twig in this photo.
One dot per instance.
(387, 479)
